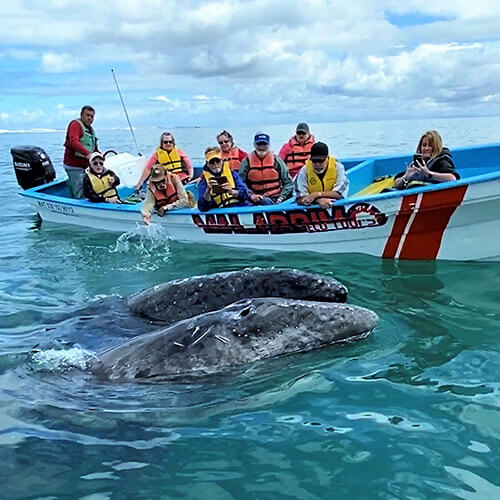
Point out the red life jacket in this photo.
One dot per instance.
(299, 154)
(164, 196)
(232, 157)
(263, 178)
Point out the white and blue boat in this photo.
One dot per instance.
(458, 220)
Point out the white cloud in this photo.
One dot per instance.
(60, 63)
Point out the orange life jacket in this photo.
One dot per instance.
(164, 196)
(232, 157)
(299, 154)
(263, 178)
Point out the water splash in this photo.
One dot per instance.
(57, 360)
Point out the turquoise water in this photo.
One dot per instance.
(411, 412)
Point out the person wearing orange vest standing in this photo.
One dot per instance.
(265, 174)
(80, 143)
(230, 153)
(297, 150)
(165, 192)
(173, 159)
(321, 180)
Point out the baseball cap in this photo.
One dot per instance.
(302, 127)
(261, 137)
(319, 151)
(95, 155)
(210, 155)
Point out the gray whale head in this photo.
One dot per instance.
(243, 332)
(179, 299)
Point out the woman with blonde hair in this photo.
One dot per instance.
(173, 159)
(432, 163)
(230, 152)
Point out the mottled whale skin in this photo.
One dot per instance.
(180, 299)
(243, 332)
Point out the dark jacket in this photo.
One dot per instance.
(443, 164)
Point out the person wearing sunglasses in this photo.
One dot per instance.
(173, 159)
(220, 186)
(165, 192)
(265, 174)
(230, 153)
(99, 183)
(80, 143)
(297, 150)
(321, 180)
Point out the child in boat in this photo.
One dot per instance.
(432, 164)
(220, 186)
(165, 192)
(99, 183)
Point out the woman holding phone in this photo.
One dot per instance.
(220, 186)
(432, 163)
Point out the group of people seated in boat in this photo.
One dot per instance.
(303, 169)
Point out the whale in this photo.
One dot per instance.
(179, 299)
(243, 332)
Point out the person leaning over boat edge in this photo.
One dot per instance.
(432, 164)
(322, 179)
(265, 173)
(99, 183)
(165, 192)
(297, 150)
(172, 158)
(79, 144)
(229, 151)
(220, 186)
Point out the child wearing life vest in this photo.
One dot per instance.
(99, 183)
(165, 192)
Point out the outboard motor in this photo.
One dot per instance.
(32, 166)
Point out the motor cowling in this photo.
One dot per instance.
(32, 166)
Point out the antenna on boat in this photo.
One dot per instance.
(125, 109)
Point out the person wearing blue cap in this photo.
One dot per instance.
(321, 180)
(265, 173)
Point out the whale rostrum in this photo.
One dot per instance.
(242, 332)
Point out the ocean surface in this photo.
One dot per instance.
(412, 412)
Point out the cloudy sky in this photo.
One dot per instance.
(226, 62)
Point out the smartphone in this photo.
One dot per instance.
(417, 157)
(218, 189)
(222, 179)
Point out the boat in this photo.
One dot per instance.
(455, 220)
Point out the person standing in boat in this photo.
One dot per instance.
(99, 183)
(220, 186)
(80, 143)
(265, 174)
(432, 164)
(297, 150)
(165, 192)
(322, 179)
(173, 159)
(230, 152)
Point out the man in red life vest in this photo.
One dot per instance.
(297, 150)
(265, 174)
(80, 143)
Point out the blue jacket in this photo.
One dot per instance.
(243, 194)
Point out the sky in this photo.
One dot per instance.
(246, 62)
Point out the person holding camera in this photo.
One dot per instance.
(431, 164)
(220, 186)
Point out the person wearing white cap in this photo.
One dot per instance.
(321, 180)
(265, 173)
(297, 150)
(99, 183)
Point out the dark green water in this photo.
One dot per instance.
(410, 412)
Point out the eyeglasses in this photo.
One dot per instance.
(318, 160)
(225, 141)
(167, 142)
(97, 163)
(261, 143)
(214, 161)
(301, 133)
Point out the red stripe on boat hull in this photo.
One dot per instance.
(422, 240)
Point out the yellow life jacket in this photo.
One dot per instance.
(327, 183)
(171, 161)
(102, 186)
(224, 199)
